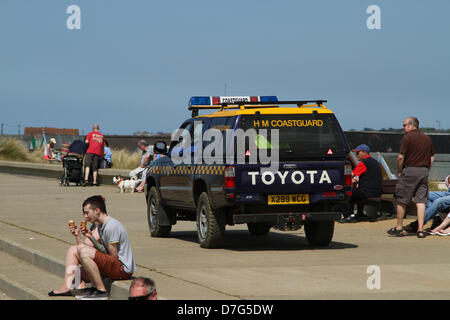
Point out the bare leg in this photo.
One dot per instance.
(86, 173)
(400, 215)
(87, 255)
(420, 215)
(140, 187)
(94, 177)
(442, 226)
(72, 264)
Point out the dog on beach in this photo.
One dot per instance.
(124, 184)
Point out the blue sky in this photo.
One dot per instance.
(134, 64)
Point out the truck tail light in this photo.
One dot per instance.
(229, 178)
(348, 174)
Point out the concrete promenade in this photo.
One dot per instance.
(34, 238)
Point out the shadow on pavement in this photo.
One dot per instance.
(242, 240)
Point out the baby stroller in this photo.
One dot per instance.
(73, 164)
(73, 170)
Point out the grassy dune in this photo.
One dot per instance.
(124, 159)
(15, 150)
(12, 149)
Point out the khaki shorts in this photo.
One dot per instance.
(110, 266)
(413, 182)
(91, 160)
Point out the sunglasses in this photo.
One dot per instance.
(141, 297)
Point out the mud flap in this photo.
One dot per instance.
(165, 216)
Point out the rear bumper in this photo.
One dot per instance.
(276, 218)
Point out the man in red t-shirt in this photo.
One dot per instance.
(94, 153)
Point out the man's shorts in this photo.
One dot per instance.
(413, 182)
(91, 160)
(110, 266)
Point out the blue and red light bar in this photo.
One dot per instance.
(217, 101)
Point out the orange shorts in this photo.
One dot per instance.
(110, 266)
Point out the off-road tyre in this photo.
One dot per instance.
(319, 233)
(210, 224)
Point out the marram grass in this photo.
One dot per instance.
(13, 149)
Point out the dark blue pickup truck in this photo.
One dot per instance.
(252, 160)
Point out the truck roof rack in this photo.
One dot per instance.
(252, 105)
(299, 103)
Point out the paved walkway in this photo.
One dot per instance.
(34, 213)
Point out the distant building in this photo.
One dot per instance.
(143, 133)
(38, 131)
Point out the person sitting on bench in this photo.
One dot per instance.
(367, 181)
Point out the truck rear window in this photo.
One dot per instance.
(300, 135)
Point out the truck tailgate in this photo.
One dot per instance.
(291, 177)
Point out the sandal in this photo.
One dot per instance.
(421, 234)
(395, 232)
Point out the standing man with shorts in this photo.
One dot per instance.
(117, 263)
(414, 162)
(94, 153)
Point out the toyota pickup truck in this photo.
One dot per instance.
(253, 160)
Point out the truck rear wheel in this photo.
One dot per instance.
(258, 229)
(319, 233)
(153, 205)
(210, 223)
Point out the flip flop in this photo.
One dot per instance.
(443, 234)
(60, 294)
(435, 232)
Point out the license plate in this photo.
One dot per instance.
(274, 199)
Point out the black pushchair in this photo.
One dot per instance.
(73, 164)
(73, 170)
